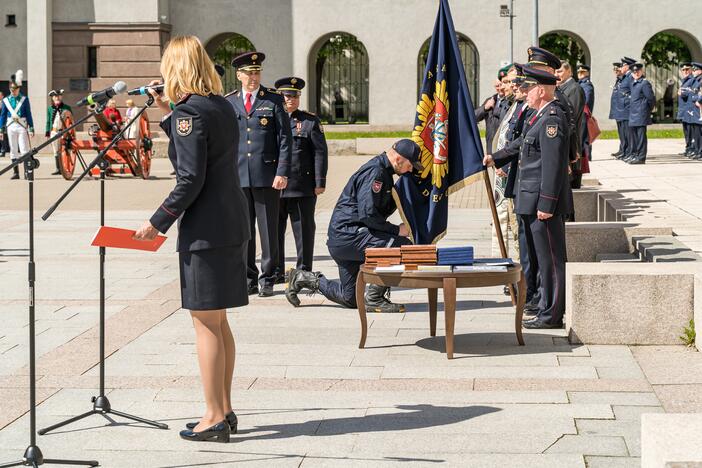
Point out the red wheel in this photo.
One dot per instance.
(144, 147)
(67, 150)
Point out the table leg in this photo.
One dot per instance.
(449, 313)
(521, 287)
(361, 303)
(433, 292)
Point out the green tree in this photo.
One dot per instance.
(564, 46)
(665, 50)
(232, 46)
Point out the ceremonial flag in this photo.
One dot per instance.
(447, 134)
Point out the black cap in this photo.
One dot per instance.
(636, 66)
(409, 150)
(533, 76)
(219, 69)
(696, 65)
(291, 85)
(617, 64)
(249, 61)
(539, 56)
(583, 67)
(628, 61)
(56, 92)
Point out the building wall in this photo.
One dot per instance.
(14, 39)
(291, 31)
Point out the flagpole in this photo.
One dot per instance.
(498, 228)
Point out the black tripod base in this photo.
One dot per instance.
(34, 457)
(101, 405)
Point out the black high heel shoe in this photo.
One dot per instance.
(219, 432)
(231, 419)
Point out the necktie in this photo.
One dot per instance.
(248, 103)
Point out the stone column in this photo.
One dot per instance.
(39, 50)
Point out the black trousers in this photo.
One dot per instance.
(546, 239)
(638, 143)
(696, 138)
(349, 257)
(300, 210)
(623, 131)
(530, 266)
(263, 209)
(686, 133)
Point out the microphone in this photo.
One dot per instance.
(101, 96)
(145, 90)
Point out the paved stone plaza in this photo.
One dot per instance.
(305, 394)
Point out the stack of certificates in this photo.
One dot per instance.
(383, 256)
(455, 255)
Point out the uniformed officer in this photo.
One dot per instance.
(549, 62)
(585, 83)
(16, 118)
(264, 163)
(686, 78)
(693, 112)
(360, 221)
(643, 100)
(54, 122)
(543, 194)
(625, 101)
(308, 176)
(616, 111)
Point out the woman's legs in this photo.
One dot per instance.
(230, 356)
(211, 357)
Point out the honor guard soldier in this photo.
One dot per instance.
(264, 163)
(16, 118)
(543, 194)
(686, 78)
(625, 101)
(360, 221)
(54, 122)
(308, 177)
(585, 83)
(693, 112)
(616, 112)
(642, 103)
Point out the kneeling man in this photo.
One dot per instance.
(360, 221)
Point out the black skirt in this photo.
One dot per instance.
(214, 278)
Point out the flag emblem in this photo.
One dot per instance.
(432, 133)
(377, 186)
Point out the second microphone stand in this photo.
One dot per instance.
(101, 404)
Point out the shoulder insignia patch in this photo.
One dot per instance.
(184, 126)
(551, 131)
(377, 186)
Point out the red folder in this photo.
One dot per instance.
(122, 239)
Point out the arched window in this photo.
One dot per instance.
(471, 62)
(341, 80)
(566, 45)
(662, 55)
(222, 49)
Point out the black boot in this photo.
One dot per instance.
(299, 280)
(16, 174)
(377, 300)
(58, 170)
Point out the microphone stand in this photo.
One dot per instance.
(101, 404)
(33, 455)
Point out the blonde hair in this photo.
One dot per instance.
(129, 102)
(187, 69)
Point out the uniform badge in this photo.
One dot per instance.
(298, 126)
(264, 121)
(293, 81)
(184, 125)
(377, 186)
(260, 93)
(551, 131)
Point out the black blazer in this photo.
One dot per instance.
(207, 199)
(264, 146)
(309, 156)
(542, 183)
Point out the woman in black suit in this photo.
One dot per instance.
(213, 220)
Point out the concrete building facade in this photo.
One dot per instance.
(83, 45)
